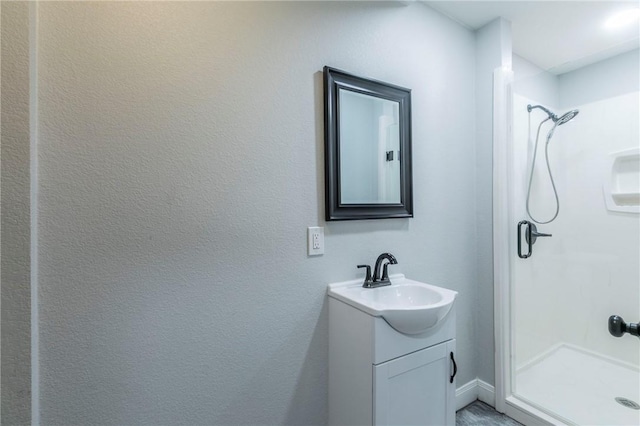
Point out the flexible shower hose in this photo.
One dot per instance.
(533, 165)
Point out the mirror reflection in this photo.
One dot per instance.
(369, 149)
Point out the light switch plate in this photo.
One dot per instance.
(315, 240)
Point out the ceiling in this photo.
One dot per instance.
(557, 36)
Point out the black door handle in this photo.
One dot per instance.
(531, 235)
(455, 367)
(527, 237)
(617, 327)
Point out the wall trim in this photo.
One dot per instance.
(486, 393)
(473, 390)
(466, 394)
(33, 153)
(502, 246)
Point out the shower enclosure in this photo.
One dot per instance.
(556, 360)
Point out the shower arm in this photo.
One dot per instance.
(549, 113)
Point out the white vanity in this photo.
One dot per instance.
(391, 354)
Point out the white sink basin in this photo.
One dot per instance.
(410, 307)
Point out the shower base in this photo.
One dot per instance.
(580, 386)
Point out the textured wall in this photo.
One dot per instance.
(493, 50)
(15, 219)
(181, 160)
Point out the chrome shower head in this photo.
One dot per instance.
(566, 117)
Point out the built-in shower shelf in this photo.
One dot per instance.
(622, 181)
(626, 198)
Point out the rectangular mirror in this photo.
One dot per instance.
(367, 148)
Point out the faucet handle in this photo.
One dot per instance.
(367, 278)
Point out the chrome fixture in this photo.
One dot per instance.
(376, 280)
(565, 118)
(557, 121)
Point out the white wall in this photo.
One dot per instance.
(181, 159)
(603, 80)
(590, 268)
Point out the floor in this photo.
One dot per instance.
(480, 414)
(581, 386)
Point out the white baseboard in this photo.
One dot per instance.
(475, 389)
(466, 394)
(486, 393)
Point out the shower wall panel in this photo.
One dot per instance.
(589, 269)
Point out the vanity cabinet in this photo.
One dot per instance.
(378, 376)
(414, 389)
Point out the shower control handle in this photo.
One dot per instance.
(535, 234)
(540, 234)
(531, 234)
(617, 327)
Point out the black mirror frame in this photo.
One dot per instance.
(335, 80)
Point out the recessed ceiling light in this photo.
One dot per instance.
(622, 19)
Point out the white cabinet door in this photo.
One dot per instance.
(416, 389)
